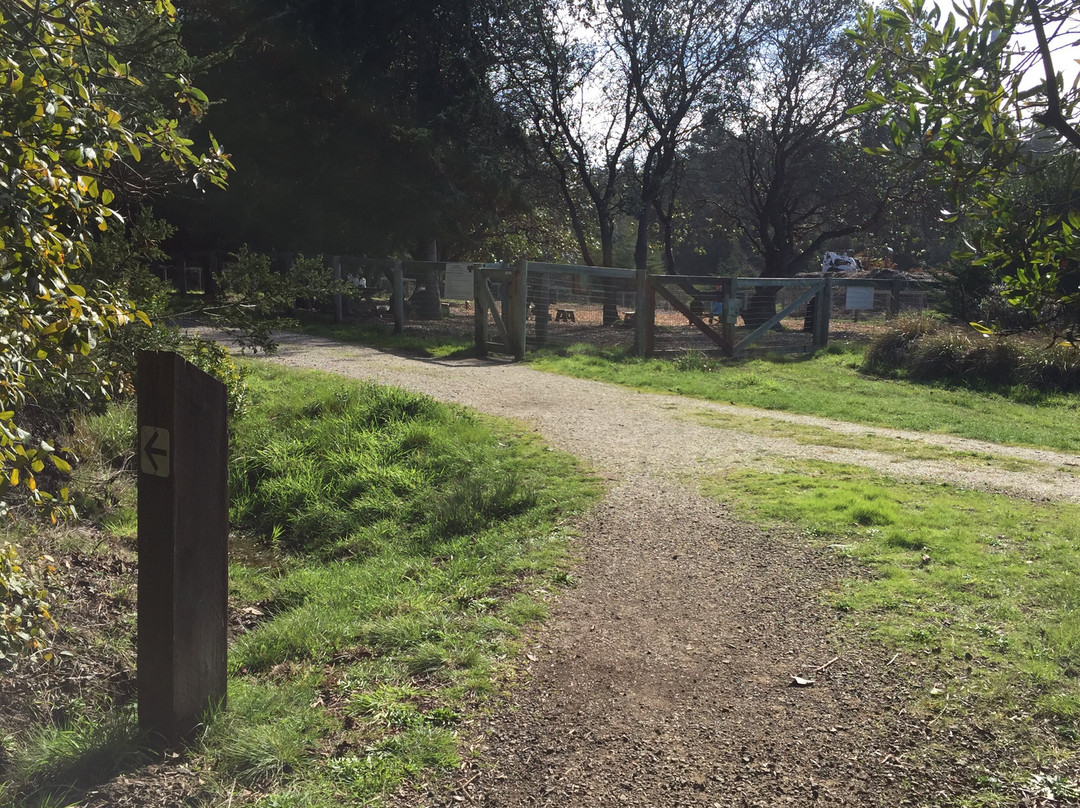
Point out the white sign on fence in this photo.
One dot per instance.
(459, 282)
(859, 297)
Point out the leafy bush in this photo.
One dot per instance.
(25, 607)
(929, 352)
(213, 358)
(937, 356)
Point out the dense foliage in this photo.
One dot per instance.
(66, 126)
(958, 97)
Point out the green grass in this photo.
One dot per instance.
(901, 448)
(979, 590)
(831, 385)
(413, 542)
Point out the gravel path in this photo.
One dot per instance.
(665, 676)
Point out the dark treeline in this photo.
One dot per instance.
(710, 134)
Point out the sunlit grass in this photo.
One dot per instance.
(982, 589)
(831, 385)
(413, 542)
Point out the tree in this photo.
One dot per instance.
(66, 128)
(356, 125)
(678, 57)
(967, 97)
(795, 177)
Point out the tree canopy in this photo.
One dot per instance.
(978, 96)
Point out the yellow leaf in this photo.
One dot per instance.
(14, 477)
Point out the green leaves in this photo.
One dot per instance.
(955, 101)
(68, 117)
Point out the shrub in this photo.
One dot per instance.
(938, 356)
(889, 351)
(25, 600)
(214, 359)
(1054, 368)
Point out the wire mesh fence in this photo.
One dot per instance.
(579, 306)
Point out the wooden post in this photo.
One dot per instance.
(894, 297)
(650, 319)
(542, 309)
(183, 513)
(339, 313)
(397, 299)
(822, 314)
(641, 293)
(729, 315)
(480, 312)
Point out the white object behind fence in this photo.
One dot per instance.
(459, 282)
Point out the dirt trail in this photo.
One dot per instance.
(665, 676)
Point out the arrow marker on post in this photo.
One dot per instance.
(154, 451)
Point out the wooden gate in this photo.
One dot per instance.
(500, 308)
(718, 298)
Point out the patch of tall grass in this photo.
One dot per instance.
(929, 350)
(412, 541)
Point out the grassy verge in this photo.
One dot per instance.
(436, 342)
(978, 590)
(390, 552)
(830, 385)
(418, 541)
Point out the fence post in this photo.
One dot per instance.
(729, 316)
(894, 297)
(480, 312)
(822, 313)
(650, 318)
(641, 327)
(516, 313)
(541, 309)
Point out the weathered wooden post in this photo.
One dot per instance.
(894, 296)
(822, 314)
(729, 315)
(517, 308)
(641, 294)
(541, 309)
(480, 312)
(183, 514)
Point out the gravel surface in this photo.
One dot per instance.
(666, 676)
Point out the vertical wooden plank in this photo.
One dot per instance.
(397, 298)
(641, 327)
(183, 545)
(541, 309)
(894, 297)
(650, 319)
(480, 312)
(516, 317)
(730, 316)
(822, 313)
